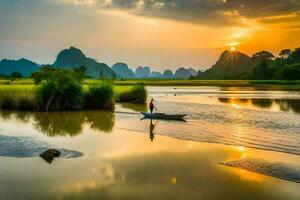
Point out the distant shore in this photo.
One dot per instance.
(257, 84)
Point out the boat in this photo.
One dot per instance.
(163, 116)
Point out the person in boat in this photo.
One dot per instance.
(152, 106)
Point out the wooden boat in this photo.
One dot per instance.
(163, 116)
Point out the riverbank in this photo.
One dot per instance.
(258, 84)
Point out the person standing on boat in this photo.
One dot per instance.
(152, 106)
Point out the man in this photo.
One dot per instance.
(152, 106)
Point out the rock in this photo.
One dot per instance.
(50, 154)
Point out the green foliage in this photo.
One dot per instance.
(100, 96)
(26, 104)
(138, 94)
(8, 104)
(50, 73)
(16, 75)
(262, 71)
(60, 93)
(292, 72)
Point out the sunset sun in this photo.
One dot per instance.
(232, 49)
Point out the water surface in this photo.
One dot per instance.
(125, 158)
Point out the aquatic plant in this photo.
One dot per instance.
(138, 94)
(26, 104)
(61, 93)
(100, 96)
(8, 104)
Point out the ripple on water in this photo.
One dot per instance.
(26, 147)
(277, 170)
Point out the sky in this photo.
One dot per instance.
(157, 33)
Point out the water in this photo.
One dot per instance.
(268, 120)
(116, 156)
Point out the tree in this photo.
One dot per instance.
(16, 75)
(51, 73)
(261, 71)
(79, 73)
(263, 55)
(292, 72)
(295, 56)
(101, 74)
(284, 54)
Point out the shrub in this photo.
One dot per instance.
(100, 96)
(8, 104)
(138, 94)
(26, 104)
(292, 72)
(58, 95)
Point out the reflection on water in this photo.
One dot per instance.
(64, 123)
(134, 107)
(278, 170)
(288, 105)
(27, 147)
(151, 128)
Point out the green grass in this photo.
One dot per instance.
(25, 88)
(19, 92)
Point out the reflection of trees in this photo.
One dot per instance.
(64, 123)
(100, 120)
(224, 100)
(71, 123)
(5, 115)
(135, 107)
(19, 116)
(262, 103)
(59, 123)
(289, 104)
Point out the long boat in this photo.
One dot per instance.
(163, 116)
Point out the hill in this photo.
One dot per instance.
(73, 57)
(230, 65)
(24, 66)
(122, 71)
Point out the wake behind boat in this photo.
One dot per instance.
(163, 116)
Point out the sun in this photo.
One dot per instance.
(232, 49)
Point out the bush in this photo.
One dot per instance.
(292, 72)
(8, 104)
(100, 96)
(64, 94)
(138, 94)
(25, 104)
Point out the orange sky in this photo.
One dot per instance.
(158, 33)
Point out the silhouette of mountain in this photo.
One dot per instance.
(122, 71)
(143, 72)
(182, 73)
(168, 74)
(155, 74)
(24, 66)
(73, 57)
(231, 65)
(193, 71)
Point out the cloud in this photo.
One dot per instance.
(222, 12)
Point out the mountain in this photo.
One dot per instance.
(155, 74)
(182, 73)
(168, 74)
(122, 71)
(73, 57)
(231, 65)
(24, 66)
(193, 71)
(143, 72)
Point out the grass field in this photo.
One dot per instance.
(26, 87)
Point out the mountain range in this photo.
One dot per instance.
(74, 57)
